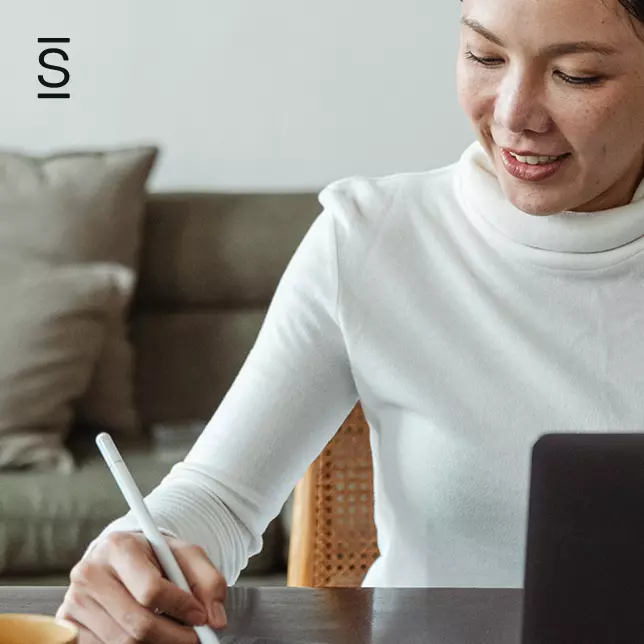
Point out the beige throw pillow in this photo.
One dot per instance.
(52, 330)
(83, 207)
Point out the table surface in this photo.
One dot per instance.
(342, 616)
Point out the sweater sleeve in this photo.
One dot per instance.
(288, 400)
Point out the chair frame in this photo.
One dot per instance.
(333, 536)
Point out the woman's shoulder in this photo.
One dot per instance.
(370, 198)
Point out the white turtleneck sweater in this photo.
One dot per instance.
(467, 329)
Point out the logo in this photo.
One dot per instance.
(50, 51)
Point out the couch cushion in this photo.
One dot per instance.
(187, 360)
(52, 329)
(48, 519)
(79, 207)
(219, 250)
(209, 267)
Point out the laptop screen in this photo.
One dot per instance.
(584, 568)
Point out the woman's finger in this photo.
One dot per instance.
(95, 624)
(134, 619)
(206, 582)
(84, 636)
(134, 563)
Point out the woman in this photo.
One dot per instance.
(470, 309)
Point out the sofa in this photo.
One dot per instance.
(209, 265)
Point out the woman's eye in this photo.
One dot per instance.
(579, 80)
(487, 62)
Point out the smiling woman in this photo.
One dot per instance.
(470, 309)
(560, 115)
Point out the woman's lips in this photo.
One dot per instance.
(528, 172)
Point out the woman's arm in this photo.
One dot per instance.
(290, 397)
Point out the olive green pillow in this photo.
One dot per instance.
(52, 331)
(83, 207)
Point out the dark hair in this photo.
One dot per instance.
(634, 7)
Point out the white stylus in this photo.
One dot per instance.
(160, 546)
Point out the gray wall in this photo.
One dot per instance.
(242, 94)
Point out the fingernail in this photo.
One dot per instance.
(197, 618)
(219, 618)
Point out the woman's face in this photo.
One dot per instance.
(556, 78)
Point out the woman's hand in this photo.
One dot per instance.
(118, 593)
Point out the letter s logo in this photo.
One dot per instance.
(45, 64)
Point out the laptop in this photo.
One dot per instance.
(584, 566)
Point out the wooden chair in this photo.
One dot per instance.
(333, 535)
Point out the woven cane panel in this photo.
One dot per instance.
(345, 532)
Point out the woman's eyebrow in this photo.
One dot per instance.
(558, 49)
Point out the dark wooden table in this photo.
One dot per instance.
(342, 616)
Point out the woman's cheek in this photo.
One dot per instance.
(468, 90)
(476, 97)
(585, 123)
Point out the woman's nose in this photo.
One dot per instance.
(519, 105)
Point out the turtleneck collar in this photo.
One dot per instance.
(565, 232)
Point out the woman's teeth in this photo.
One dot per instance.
(536, 160)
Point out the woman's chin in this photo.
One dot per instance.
(536, 209)
(533, 200)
